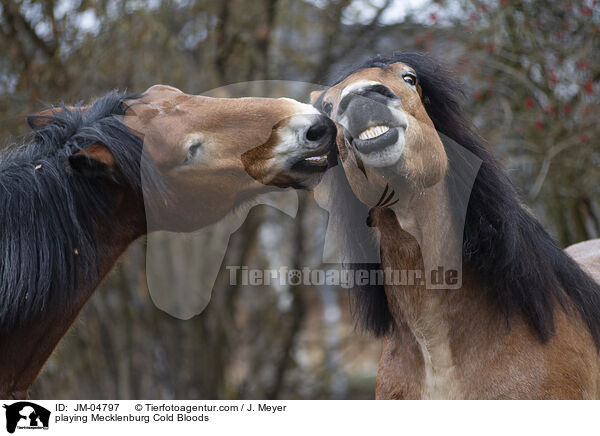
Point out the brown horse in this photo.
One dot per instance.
(87, 185)
(524, 322)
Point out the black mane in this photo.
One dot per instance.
(518, 262)
(48, 212)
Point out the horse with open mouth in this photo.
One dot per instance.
(523, 318)
(93, 179)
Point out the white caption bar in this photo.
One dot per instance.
(305, 418)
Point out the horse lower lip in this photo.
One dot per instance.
(370, 145)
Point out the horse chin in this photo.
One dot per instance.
(382, 155)
(295, 178)
(311, 182)
(306, 182)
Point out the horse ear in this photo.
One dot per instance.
(47, 116)
(314, 96)
(43, 118)
(94, 161)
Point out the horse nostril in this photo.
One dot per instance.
(318, 131)
(382, 90)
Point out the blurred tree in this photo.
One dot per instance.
(536, 71)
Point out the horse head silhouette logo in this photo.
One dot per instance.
(25, 414)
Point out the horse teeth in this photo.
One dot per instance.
(373, 132)
(317, 159)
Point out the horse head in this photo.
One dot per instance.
(211, 154)
(386, 135)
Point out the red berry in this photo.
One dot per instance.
(529, 102)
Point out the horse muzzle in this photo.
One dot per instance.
(296, 154)
(316, 142)
(374, 124)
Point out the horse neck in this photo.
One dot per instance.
(26, 349)
(422, 237)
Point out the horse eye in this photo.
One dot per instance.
(192, 152)
(327, 107)
(410, 78)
